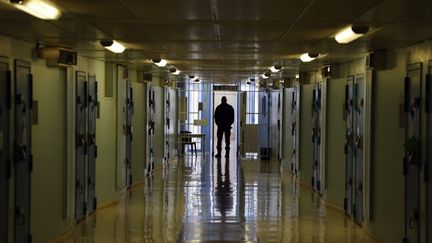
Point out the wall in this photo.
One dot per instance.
(335, 142)
(139, 132)
(305, 134)
(53, 176)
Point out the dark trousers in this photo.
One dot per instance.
(220, 133)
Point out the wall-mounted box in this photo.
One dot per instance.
(58, 56)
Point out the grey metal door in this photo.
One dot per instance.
(128, 131)
(91, 143)
(150, 129)
(316, 137)
(412, 159)
(5, 170)
(295, 129)
(80, 145)
(349, 145)
(358, 144)
(428, 167)
(23, 158)
(167, 115)
(264, 124)
(243, 109)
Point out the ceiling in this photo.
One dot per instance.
(224, 40)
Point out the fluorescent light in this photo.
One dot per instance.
(161, 63)
(350, 33)
(276, 68)
(297, 76)
(177, 72)
(39, 9)
(115, 47)
(174, 71)
(308, 57)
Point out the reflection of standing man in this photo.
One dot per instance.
(224, 118)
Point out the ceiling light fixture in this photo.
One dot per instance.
(350, 33)
(265, 75)
(113, 46)
(276, 68)
(38, 8)
(252, 79)
(159, 62)
(197, 80)
(308, 57)
(174, 71)
(191, 76)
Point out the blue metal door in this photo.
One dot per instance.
(5, 170)
(358, 145)
(150, 129)
(80, 145)
(128, 129)
(349, 145)
(412, 159)
(428, 167)
(91, 143)
(316, 137)
(23, 158)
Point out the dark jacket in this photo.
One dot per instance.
(224, 116)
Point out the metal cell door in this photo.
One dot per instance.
(91, 143)
(81, 145)
(358, 144)
(295, 129)
(150, 129)
(5, 170)
(23, 158)
(412, 159)
(264, 124)
(428, 167)
(243, 109)
(279, 124)
(167, 127)
(316, 137)
(128, 132)
(349, 145)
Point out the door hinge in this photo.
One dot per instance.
(95, 151)
(8, 90)
(31, 163)
(405, 166)
(94, 203)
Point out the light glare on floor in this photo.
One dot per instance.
(39, 9)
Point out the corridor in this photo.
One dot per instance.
(210, 200)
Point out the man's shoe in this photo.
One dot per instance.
(227, 155)
(218, 155)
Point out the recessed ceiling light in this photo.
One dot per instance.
(252, 79)
(265, 75)
(174, 71)
(275, 68)
(308, 57)
(38, 8)
(197, 80)
(191, 76)
(113, 46)
(159, 62)
(350, 33)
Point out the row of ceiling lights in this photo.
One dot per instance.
(344, 36)
(45, 10)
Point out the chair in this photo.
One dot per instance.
(187, 140)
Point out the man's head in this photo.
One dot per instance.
(224, 99)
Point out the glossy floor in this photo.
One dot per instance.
(225, 200)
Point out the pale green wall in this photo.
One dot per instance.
(159, 139)
(306, 134)
(139, 131)
(335, 142)
(287, 137)
(389, 139)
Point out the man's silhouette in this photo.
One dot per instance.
(224, 118)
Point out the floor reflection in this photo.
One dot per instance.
(219, 200)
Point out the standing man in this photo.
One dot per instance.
(224, 118)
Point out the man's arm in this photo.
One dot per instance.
(231, 118)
